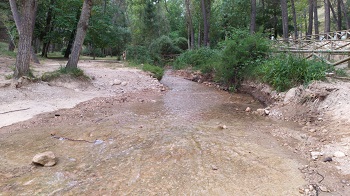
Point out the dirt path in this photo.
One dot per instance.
(135, 139)
(18, 104)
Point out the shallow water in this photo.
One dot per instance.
(172, 145)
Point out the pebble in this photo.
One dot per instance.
(124, 83)
(312, 130)
(261, 112)
(328, 159)
(214, 167)
(46, 159)
(339, 154)
(248, 109)
(314, 155)
(323, 188)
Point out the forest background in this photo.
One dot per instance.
(229, 39)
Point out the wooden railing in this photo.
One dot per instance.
(332, 47)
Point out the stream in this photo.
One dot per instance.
(193, 140)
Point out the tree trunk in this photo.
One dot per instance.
(80, 36)
(48, 28)
(345, 12)
(333, 13)
(25, 38)
(204, 6)
(284, 9)
(17, 19)
(327, 17)
(339, 24)
(190, 25)
(71, 39)
(253, 17)
(295, 25)
(11, 46)
(316, 19)
(311, 18)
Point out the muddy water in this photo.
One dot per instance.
(172, 145)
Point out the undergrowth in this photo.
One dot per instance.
(156, 71)
(4, 50)
(286, 71)
(74, 72)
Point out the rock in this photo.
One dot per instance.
(4, 84)
(223, 127)
(214, 167)
(116, 82)
(124, 83)
(323, 188)
(248, 109)
(290, 95)
(267, 112)
(314, 155)
(339, 154)
(312, 130)
(261, 112)
(46, 159)
(327, 159)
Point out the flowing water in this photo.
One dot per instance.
(194, 140)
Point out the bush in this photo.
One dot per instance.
(181, 43)
(203, 59)
(157, 72)
(138, 54)
(75, 72)
(240, 55)
(162, 47)
(285, 71)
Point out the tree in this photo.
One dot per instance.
(327, 17)
(25, 28)
(315, 18)
(284, 9)
(189, 25)
(253, 17)
(311, 17)
(205, 5)
(80, 36)
(48, 28)
(295, 24)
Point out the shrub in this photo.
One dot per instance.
(285, 71)
(138, 54)
(75, 72)
(181, 43)
(157, 72)
(162, 47)
(203, 59)
(240, 55)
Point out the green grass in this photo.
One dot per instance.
(156, 71)
(286, 71)
(4, 50)
(75, 72)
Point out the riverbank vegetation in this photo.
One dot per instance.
(229, 39)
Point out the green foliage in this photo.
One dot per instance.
(138, 54)
(4, 50)
(74, 72)
(203, 59)
(285, 71)
(157, 72)
(161, 48)
(240, 55)
(181, 43)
